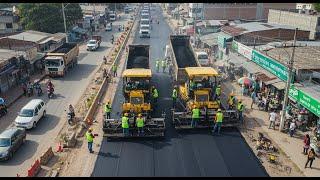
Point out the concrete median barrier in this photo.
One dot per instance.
(45, 158)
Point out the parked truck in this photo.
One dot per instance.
(137, 89)
(196, 87)
(59, 61)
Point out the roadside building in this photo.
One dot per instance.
(304, 20)
(9, 22)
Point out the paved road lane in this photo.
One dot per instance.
(68, 90)
(196, 154)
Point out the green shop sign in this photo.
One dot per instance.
(305, 100)
(270, 64)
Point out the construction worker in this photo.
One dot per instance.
(114, 70)
(164, 65)
(218, 122)
(218, 101)
(195, 116)
(231, 101)
(107, 110)
(218, 91)
(174, 96)
(157, 65)
(240, 110)
(140, 124)
(155, 94)
(90, 137)
(125, 124)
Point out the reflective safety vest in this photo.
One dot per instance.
(140, 122)
(114, 68)
(231, 100)
(89, 137)
(195, 113)
(218, 91)
(125, 122)
(163, 63)
(107, 108)
(219, 117)
(174, 93)
(155, 93)
(157, 63)
(240, 107)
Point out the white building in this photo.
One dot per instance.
(196, 10)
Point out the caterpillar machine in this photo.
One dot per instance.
(196, 87)
(137, 93)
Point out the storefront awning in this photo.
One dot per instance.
(279, 85)
(273, 81)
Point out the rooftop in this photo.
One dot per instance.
(311, 89)
(32, 36)
(212, 38)
(6, 54)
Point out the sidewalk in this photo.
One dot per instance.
(14, 93)
(292, 147)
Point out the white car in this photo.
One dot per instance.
(108, 27)
(31, 113)
(92, 45)
(144, 31)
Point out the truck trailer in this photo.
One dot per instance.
(59, 61)
(137, 93)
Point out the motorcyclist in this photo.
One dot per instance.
(30, 89)
(71, 111)
(104, 59)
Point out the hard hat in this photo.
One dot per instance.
(219, 110)
(219, 85)
(90, 129)
(139, 115)
(194, 106)
(125, 114)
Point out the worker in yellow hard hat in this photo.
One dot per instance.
(218, 122)
(90, 138)
(195, 116)
(140, 124)
(125, 124)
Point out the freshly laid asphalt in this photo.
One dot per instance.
(177, 154)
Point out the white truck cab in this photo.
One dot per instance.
(203, 58)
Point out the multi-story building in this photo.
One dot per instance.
(9, 22)
(304, 21)
(196, 10)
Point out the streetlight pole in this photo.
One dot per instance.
(286, 99)
(64, 21)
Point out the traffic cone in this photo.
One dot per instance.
(60, 148)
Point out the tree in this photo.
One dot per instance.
(47, 17)
(317, 7)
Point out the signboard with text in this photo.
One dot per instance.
(245, 51)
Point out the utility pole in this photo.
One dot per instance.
(290, 66)
(64, 22)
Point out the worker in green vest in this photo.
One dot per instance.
(140, 124)
(240, 110)
(218, 91)
(218, 122)
(195, 116)
(174, 96)
(114, 70)
(107, 110)
(157, 64)
(231, 101)
(164, 65)
(125, 124)
(90, 137)
(155, 95)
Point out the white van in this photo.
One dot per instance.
(31, 113)
(203, 58)
(144, 31)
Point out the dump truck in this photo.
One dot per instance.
(59, 61)
(196, 87)
(137, 93)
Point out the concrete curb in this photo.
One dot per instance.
(16, 99)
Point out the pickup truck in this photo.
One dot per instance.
(94, 43)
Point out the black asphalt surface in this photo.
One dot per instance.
(193, 154)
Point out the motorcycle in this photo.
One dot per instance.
(50, 92)
(70, 118)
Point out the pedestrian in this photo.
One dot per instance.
(267, 101)
(174, 96)
(90, 138)
(112, 39)
(107, 110)
(163, 64)
(105, 74)
(218, 122)
(253, 98)
(140, 124)
(311, 157)
(195, 116)
(114, 70)
(119, 28)
(157, 64)
(306, 144)
(104, 59)
(292, 128)
(240, 110)
(125, 124)
(272, 119)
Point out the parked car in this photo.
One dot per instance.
(31, 113)
(10, 141)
